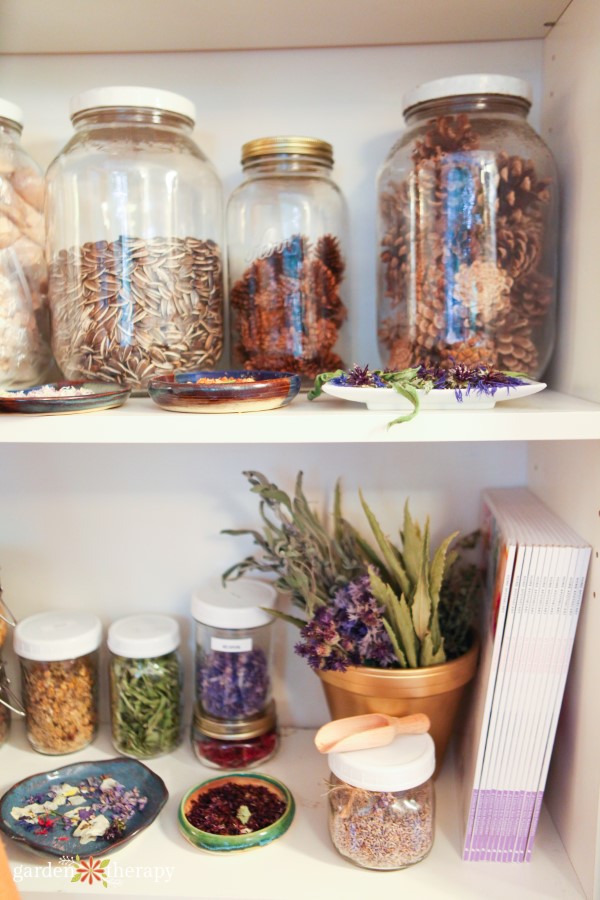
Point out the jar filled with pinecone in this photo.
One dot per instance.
(467, 231)
(286, 229)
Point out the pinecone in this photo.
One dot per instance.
(319, 292)
(483, 287)
(472, 352)
(518, 245)
(446, 134)
(328, 251)
(518, 186)
(532, 297)
(516, 351)
(395, 244)
(402, 355)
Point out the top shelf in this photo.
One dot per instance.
(70, 26)
(548, 416)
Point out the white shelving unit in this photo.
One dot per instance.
(122, 510)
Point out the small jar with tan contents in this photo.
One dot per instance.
(58, 652)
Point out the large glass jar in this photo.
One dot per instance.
(25, 357)
(146, 684)
(382, 803)
(233, 648)
(467, 231)
(58, 653)
(286, 234)
(134, 218)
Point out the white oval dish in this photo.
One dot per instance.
(387, 398)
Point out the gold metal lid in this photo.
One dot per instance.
(288, 144)
(235, 729)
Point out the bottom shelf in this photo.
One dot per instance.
(303, 863)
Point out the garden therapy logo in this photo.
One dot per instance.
(91, 871)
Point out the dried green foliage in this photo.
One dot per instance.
(428, 609)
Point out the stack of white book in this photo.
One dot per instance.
(537, 567)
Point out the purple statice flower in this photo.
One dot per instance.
(233, 685)
(350, 631)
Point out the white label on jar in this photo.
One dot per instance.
(231, 645)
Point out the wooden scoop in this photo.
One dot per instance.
(370, 730)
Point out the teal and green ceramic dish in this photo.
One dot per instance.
(227, 843)
(224, 392)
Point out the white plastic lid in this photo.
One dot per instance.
(144, 636)
(405, 763)
(463, 85)
(148, 98)
(237, 605)
(11, 111)
(51, 636)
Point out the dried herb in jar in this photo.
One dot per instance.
(146, 704)
(229, 754)
(287, 310)
(232, 808)
(60, 700)
(233, 685)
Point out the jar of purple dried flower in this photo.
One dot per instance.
(382, 803)
(233, 648)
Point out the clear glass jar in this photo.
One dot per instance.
(467, 231)
(8, 703)
(146, 685)
(286, 235)
(233, 648)
(242, 744)
(25, 357)
(382, 803)
(58, 653)
(134, 218)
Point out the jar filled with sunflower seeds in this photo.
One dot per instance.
(134, 218)
(286, 234)
(467, 231)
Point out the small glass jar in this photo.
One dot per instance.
(286, 235)
(233, 648)
(135, 220)
(8, 703)
(25, 357)
(242, 744)
(467, 231)
(382, 803)
(58, 653)
(146, 684)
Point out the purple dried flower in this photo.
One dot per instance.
(233, 685)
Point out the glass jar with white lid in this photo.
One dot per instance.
(382, 803)
(467, 231)
(233, 648)
(146, 685)
(58, 653)
(135, 220)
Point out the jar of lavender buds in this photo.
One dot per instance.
(381, 803)
(233, 648)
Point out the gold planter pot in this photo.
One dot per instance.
(436, 691)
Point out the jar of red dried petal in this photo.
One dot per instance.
(286, 234)
(467, 231)
(242, 744)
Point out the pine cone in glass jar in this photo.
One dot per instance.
(446, 134)
(473, 352)
(395, 244)
(516, 351)
(532, 297)
(327, 250)
(482, 287)
(518, 187)
(518, 246)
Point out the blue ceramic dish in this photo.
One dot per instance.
(225, 391)
(99, 395)
(223, 843)
(81, 795)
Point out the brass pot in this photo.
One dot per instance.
(434, 690)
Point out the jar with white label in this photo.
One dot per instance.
(58, 652)
(382, 803)
(233, 648)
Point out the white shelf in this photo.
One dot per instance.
(543, 417)
(69, 26)
(303, 863)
